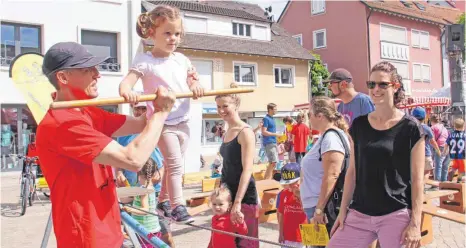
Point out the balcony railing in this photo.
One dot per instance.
(394, 51)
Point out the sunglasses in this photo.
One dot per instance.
(382, 85)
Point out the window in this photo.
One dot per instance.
(195, 24)
(420, 39)
(421, 72)
(299, 38)
(241, 29)
(318, 6)
(393, 34)
(17, 39)
(401, 68)
(245, 73)
(213, 131)
(260, 32)
(320, 38)
(284, 75)
(102, 44)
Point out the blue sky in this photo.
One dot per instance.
(277, 5)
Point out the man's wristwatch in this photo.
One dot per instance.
(318, 211)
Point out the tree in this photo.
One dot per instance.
(461, 19)
(318, 72)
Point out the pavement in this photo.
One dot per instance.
(27, 231)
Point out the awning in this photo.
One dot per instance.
(426, 102)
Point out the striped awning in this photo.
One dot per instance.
(413, 102)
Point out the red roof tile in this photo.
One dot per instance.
(432, 13)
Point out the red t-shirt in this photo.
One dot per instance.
(223, 222)
(301, 133)
(293, 215)
(84, 203)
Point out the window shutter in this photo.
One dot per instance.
(425, 73)
(415, 38)
(417, 72)
(424, 39)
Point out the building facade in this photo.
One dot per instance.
(358, 34)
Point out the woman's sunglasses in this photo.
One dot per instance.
(382, 85)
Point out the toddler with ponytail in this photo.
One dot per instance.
(162, 66)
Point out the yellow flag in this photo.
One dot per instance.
(26, 72)
(312, 237)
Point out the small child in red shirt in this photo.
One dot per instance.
(289, 207)
(220, 201)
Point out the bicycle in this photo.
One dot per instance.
(28, 182)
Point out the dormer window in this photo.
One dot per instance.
(241, 29)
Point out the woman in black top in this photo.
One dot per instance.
(385, 177)
(238, 150)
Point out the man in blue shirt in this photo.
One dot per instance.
(269, 140)
(354, 104)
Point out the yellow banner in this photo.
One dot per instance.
(26, 72)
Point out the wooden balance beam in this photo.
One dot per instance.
(432, 182)
(438, 193)
(443, 213)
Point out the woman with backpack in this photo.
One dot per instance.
(384, 182)
(322, 165)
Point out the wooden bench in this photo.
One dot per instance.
(198, 199)
(209, 184)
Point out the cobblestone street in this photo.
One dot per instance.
(27, 231)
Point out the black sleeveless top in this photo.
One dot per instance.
(232, 169)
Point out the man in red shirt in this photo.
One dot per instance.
(75, 148)
(300, 135)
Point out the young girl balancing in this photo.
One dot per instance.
(220, 201)
(162, 66)
(238, 150)
(147, 202)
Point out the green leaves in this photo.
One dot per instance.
(318, 72)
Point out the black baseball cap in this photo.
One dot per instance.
(339, 74)
(291, 173)
(69, 55)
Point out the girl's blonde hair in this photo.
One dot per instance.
(223, 192)
(148, 170)
(154, 18)
(326, 106)
(236, 99)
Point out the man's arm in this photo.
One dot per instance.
(137, 152)
(132, 125)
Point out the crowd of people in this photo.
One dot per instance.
(362, 178)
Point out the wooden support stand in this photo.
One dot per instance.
(454, 202)
(268, 191)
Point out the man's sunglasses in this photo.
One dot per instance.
(382, 85)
